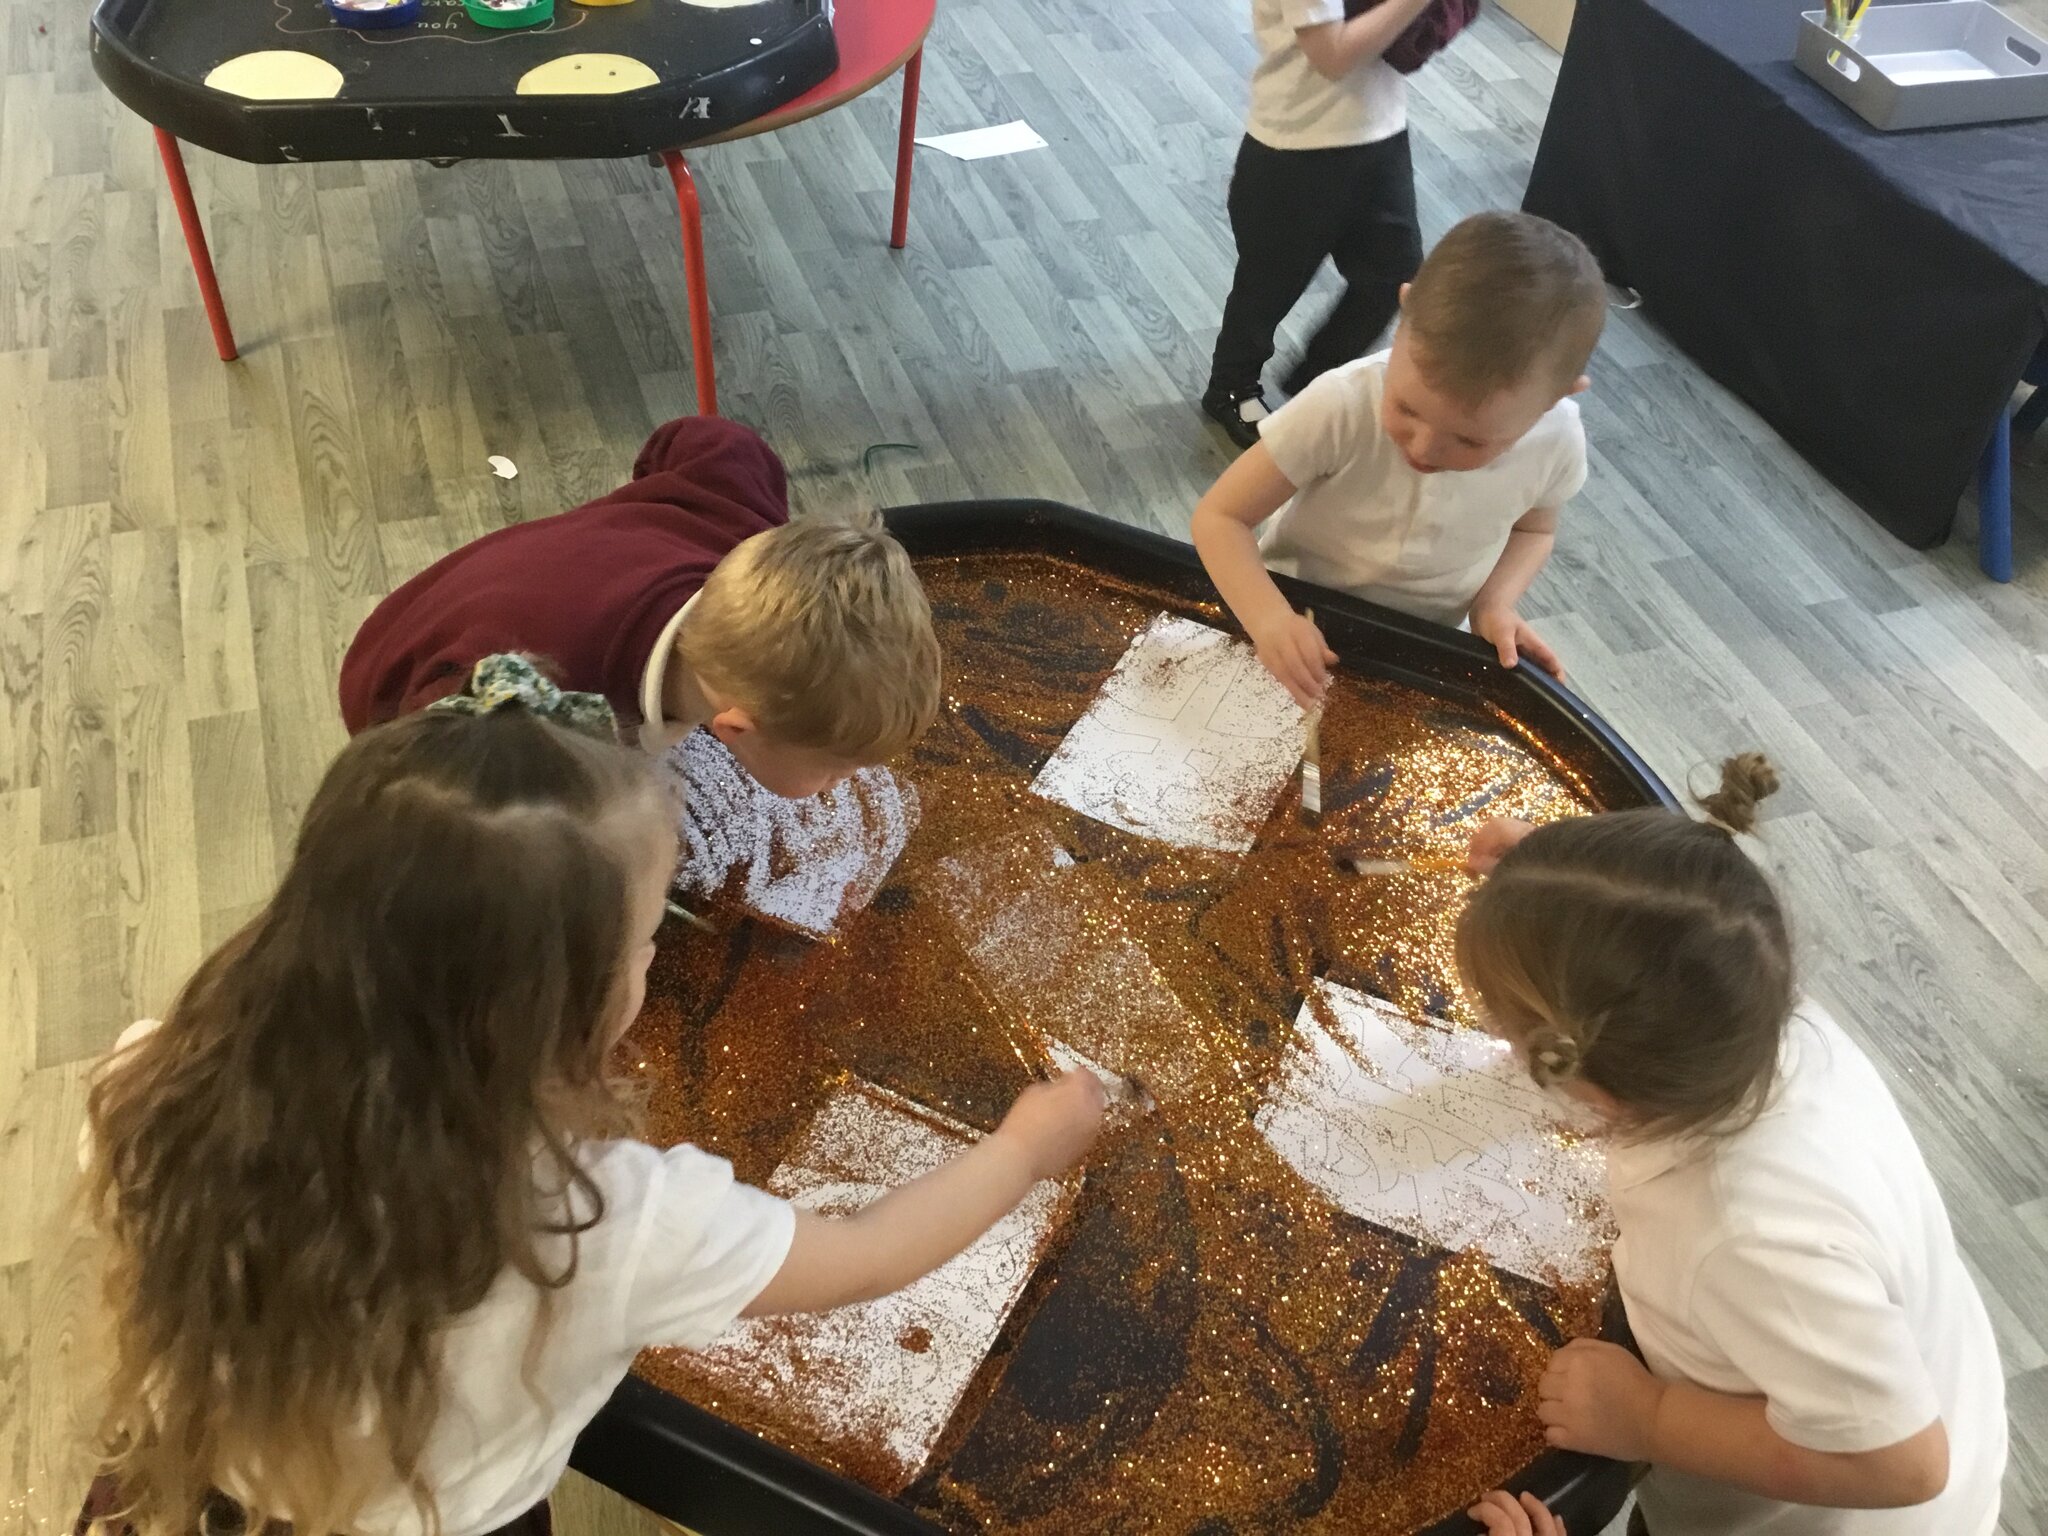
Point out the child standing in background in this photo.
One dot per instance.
(380, 1240)
(1323, 171)
(1819, 1360)
(1427, 477)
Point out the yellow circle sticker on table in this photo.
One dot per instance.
(276, 74)
(587, 74)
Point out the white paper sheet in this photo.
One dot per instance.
(807, 863)
(1438, 1133)
(895, 1367)
(1036, 931)
(982, 143)
(1190, 741)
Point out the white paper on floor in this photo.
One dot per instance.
(893, 1369)
(982, 143)
(807, 863)
(1439, 1133)
(1189, 741)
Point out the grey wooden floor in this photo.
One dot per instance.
(185, 548)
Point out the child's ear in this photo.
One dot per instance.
(731, 725)
(1401, 298)
(1580, 385)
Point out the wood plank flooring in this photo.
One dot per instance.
(185, 548)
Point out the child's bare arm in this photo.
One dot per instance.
(1246, 494)
(1493, 615)
(912, 1230)
(1599, 1398)
(1335, 48)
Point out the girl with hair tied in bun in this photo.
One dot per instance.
(1818, 1359)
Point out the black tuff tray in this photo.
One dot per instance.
(694, 1468)
(446, 88)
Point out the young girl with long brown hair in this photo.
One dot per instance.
(380, 1240)
(1819, 1360)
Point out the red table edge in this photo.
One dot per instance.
(873, 64)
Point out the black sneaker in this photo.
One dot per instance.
(1238, 412)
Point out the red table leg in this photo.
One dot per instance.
(906, 146)
(693, 276)
(195, 245)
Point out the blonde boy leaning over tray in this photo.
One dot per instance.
(1427, 477)
(686, 598)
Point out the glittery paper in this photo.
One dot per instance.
(888, 1372)
(1438, 1132)
(1190, 741)
(1044, 941)
(806, 863)
(1209, 1342)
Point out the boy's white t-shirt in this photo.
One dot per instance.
(681, 1250)
(1365, 523)
(1808, 1259)
(1293, 107)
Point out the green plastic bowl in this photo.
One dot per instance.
(502, 15)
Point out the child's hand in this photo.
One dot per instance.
(1293, 650)
(1490, 844)
(1503, 629)
(1599, 1398)
(1503, 1515)
(1054, 1122)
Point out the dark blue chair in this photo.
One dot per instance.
(1994, 475)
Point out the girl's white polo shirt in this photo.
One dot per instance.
(1808, 1259)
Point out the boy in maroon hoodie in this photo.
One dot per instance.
(686, 598)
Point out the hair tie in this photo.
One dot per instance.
(1553, 1056)
(497, 681)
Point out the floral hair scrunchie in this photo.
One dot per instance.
(508, 679)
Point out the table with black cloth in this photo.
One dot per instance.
(1874, 296)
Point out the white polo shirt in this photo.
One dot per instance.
(1808, 1259)
(1365, 523)
(1293, 107)
(680, 1252)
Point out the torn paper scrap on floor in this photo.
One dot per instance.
(1189, 741)
(983, 143)
(1438, 1132)
(887, 1373)
(807, 863)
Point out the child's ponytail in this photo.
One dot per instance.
(1746, 779)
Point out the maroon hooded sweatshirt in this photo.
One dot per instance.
(587, 592)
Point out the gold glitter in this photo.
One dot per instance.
(1210, 1338)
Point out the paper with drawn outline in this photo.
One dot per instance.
(895, 1368)
(1189, 741)
(1438, 1132)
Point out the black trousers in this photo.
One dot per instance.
(1290, 208)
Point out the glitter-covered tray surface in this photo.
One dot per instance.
(1208, 1337)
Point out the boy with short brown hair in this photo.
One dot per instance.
(1427, 477)
(686, 598)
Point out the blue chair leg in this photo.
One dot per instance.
(1994, 503)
